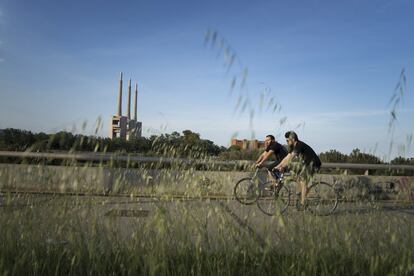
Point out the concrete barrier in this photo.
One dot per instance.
(54, 178)
(104, 180)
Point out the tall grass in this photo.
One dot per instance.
(73, 235)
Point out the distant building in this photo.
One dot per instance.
(1, 131)
(124, 126)
(248, 144)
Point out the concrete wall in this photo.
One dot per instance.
(189, 182)
(53, 178)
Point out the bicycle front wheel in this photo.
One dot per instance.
(322, 199)
(245, 191)
(273, 200)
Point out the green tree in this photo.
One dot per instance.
(235, 148)
(357, 156)
(333, 156)
(191, 137)
(402, 161)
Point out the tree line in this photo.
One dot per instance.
(185, 144)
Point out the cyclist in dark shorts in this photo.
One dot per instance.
(272, 148)
(309, 161)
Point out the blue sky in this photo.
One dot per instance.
(331, 65)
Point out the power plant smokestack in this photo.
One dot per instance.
(120, 97)
(135, 101)
(129, 100)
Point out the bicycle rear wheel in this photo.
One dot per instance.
(273, 200)
(322, 199)
(246, 191)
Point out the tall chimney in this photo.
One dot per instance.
(120, 97)
(129, 100)
(135, 101)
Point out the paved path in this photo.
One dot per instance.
(127, 213)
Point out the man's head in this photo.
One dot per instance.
(269, 139)
(291, 138)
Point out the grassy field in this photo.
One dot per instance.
(43, 235)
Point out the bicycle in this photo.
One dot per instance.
(322, 198)
(270, 198)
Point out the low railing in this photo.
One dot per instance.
(93, 156)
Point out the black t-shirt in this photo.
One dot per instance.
(306, 153)
(278, 150)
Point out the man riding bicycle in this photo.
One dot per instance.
(272, 148)
(309, 162)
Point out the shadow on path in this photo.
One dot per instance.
(243, 224)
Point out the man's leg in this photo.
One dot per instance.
(304, 191)
(270, 167)
(304, 179)
(307, 178)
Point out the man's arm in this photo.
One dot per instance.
(285, 162)
(260, 158)
(265, 155)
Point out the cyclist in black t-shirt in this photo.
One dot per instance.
(309, 161)
(272, 148)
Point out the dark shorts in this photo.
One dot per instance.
(271, 168)
(306, 172)
(271, 165)
(313, 169)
